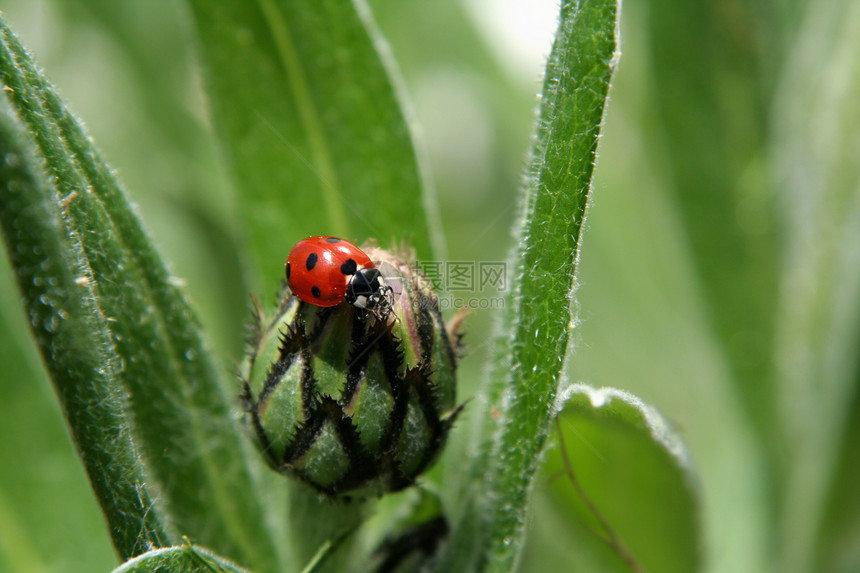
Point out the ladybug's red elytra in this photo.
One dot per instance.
(325, 271)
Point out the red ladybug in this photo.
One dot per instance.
(324, 271)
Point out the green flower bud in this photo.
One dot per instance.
(348, 401)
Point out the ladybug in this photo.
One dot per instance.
(325, 271)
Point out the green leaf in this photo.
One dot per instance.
(310, 122)
(836, 541)
(524, 389)
(619, 466)
(116, 327)
(180, 559)
(713, 93)
(538, 319)
(73, 337)
(818, 324)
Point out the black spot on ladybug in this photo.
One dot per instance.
(288, 271)
(349, 267)
(332, 240)
(316, 291)
(312, 261)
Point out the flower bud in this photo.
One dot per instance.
(346, 400)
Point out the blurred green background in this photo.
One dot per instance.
(718, 272)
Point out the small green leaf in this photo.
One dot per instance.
(617, 467)
(118, 327)
(310, 122)
(180, 559)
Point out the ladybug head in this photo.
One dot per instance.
(368, 290)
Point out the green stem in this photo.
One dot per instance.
(321, 528)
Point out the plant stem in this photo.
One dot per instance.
(321, 529)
